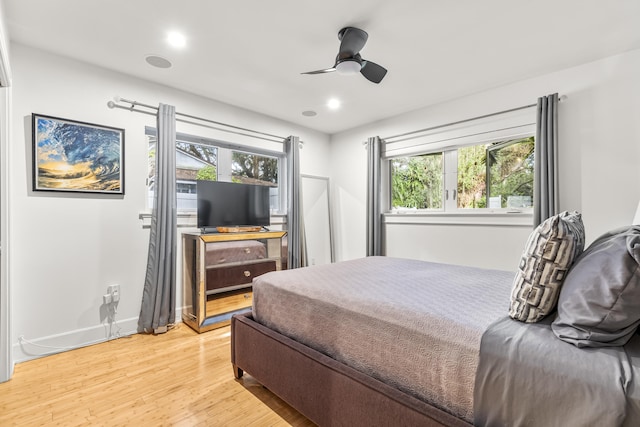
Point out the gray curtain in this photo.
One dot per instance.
(545, 187)
(159, 294)
(295, 222)
(374, 214)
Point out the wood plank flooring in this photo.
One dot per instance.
(180, 378)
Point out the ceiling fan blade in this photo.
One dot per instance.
(352, 40)
(372, 71)
(327, 70)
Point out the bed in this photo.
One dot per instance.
(386, 341)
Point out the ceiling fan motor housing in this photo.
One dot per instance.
(348, 66)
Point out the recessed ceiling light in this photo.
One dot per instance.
(176, 39)
(333, 104)
(309, 113)
(157, 61)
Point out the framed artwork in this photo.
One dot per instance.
(74, 156)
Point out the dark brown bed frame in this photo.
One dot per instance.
(324, 390)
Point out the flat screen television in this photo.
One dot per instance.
(230, 204)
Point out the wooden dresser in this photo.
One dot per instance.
(217, 271)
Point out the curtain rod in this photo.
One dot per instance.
(458, 122)
(252, 134)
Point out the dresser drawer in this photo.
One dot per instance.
(228, 252)
(224, 277)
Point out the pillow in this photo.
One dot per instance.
(549, 253)
(599, 305)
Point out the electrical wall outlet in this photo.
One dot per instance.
(114, 292)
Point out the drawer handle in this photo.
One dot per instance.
(247, 250)
(247, 273)
(247, 296)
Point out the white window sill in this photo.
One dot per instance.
(485, 217)
(184, 219)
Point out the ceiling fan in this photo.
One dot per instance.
(349, 61)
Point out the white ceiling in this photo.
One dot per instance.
(250, 53)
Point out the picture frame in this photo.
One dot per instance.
(74, 156)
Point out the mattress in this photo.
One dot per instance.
(415, 325)
(235, 251)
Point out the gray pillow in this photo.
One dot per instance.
(549, 253)
(599, 305)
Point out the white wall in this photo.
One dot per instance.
(599, 158)
(67, 248)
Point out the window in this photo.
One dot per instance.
(417, 181)
(493, 175)
(200, 159)
(253, 168)
(510, 174)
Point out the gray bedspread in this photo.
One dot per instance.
(412, 324)
(528, 377)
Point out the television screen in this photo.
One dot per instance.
(231, 204)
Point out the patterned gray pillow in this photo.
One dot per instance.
(549, 253)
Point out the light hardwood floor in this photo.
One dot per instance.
(180, 378)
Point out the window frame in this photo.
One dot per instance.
(438, 137)
(450, 180)
(224, 146)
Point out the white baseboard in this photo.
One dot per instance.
(28, 349)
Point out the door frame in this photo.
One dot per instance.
(6, 354)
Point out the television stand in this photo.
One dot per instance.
(218, 270)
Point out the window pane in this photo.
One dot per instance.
(416, 182)
(250, 168)
(193, 162)
(511, 173)
(496, 175)
(472, 171)
(254, 169)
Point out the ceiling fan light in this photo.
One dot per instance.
(348, 67)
